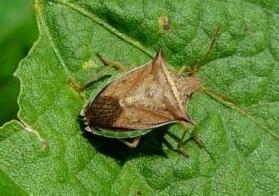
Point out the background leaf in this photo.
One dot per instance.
(46, 152)
(17, 32)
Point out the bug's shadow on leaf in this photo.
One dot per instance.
(150, 144)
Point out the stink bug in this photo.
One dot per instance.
(147, 97)
(142, 99)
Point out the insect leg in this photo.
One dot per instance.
(199, 142)
(196, 139)
(229, 103)
(196, 67)
(80, 88)
(115, 64)
(109, 64)
(181, 141)
(132, 144)
(101, 74)
(194, 136)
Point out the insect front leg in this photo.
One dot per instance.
(91, 80)
(104, 72)
(115, 64)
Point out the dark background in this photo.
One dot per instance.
(17, 33)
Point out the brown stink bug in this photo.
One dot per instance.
(140, 100)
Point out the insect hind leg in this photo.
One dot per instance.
(182, 140)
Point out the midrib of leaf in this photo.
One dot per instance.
(108, 27)
(38, 7)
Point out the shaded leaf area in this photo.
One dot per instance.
(48, 153)
(17, 32)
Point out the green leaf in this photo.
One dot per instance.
(47, 152)
(17, 33)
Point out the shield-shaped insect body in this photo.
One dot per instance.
(144, 98)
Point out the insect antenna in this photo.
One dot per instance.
(196, 67)
(230, 104)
